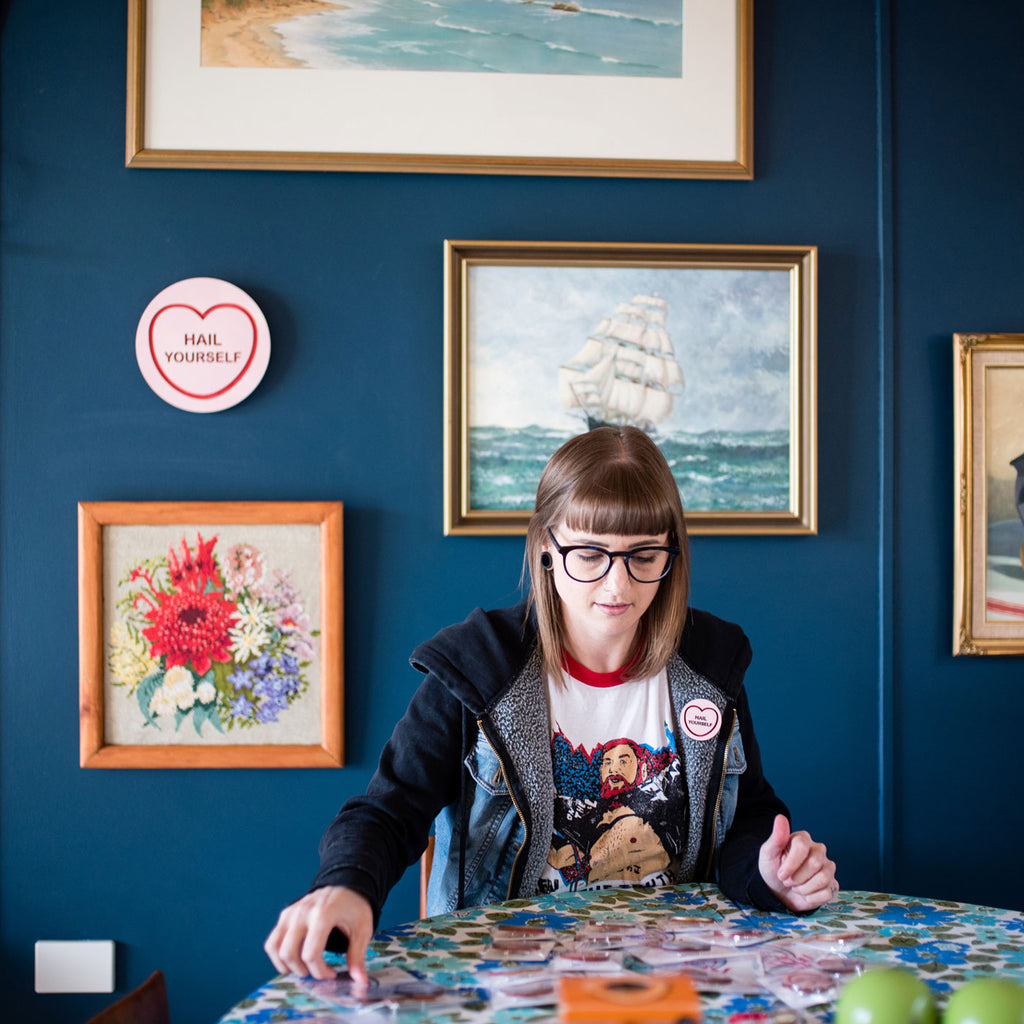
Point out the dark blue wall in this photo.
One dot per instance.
(886, 134)
(958, 226)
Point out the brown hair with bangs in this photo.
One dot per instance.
(610, 480)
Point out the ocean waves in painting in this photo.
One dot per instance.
(716, 471)
(635, 38)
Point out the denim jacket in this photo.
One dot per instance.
(472, 758)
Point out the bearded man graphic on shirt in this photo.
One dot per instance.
(612, 839)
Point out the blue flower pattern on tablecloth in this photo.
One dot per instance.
(916, 913)
(427, 942)
(275, 1014)
(945, 943)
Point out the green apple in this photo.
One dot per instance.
(886, 995)
(986, 1001)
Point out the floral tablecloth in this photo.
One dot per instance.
(945, 943)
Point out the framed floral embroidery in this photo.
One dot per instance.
(210, 634)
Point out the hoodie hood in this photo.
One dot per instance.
(478, 659)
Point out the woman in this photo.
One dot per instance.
(596, 734)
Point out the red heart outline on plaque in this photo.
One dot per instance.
(221, 388)
(701, 720)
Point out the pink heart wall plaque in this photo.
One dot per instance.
(202, 345)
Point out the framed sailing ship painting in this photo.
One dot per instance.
(629, 88)
(709, 348)
(210, 634)
(988, 577)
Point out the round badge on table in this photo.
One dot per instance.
(203, 345)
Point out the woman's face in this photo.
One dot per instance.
(606, 613)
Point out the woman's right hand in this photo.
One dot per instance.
(299, 938)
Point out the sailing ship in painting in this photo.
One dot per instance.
(626, 372)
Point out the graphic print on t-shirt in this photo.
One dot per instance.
(621, 814)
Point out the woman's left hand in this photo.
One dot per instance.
(796, 868)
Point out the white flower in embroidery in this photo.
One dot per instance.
(253, 614)
(248, 643)
(162, 702)
(179, 684)
(251, 633)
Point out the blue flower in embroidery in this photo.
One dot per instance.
(270, 687)
(241, 707)
(269, 710)
(241, 679)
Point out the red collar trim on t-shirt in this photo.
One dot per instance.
(602, 679)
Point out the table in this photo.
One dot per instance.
(943, 942)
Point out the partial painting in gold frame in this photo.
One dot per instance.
(210, 634)
(711, 348)
(988, 564)
(194, 102)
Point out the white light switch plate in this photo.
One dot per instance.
(82, 966)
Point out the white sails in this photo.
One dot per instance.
(626, 372)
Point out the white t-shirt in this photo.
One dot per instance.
(621, 806)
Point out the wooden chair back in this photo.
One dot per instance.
(145, 1005)
(426, 862)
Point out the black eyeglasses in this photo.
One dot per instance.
(585, 563)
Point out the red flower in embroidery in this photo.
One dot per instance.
(195, 571)
(192, 623)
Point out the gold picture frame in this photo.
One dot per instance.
(520, 330)
(988, 559)
(210, 634)
(693, 125)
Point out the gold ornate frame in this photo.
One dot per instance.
(710, 141)
(988, 575)
(96, 575)
(464, 515)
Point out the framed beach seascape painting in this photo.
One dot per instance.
(709, 348)
(631, 88)
(210, 634)
(988, 576)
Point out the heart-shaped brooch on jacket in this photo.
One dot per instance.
(700, 720)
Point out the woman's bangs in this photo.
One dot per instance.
(618, 504)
